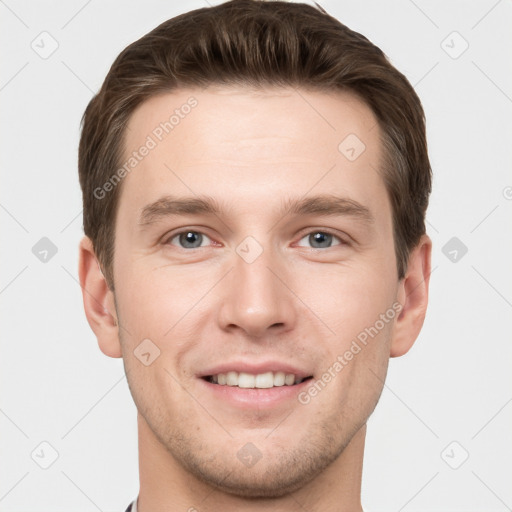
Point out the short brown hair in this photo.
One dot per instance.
(256, 43)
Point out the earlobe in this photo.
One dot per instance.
(98, 300)
(413, 295)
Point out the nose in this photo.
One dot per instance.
(257, 298)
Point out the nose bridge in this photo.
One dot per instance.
(256, 298)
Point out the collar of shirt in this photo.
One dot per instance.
(132, 507)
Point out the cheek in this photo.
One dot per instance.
(350, 299)
(359, 364)
(152, 302)
(155, 390)
(357, 353)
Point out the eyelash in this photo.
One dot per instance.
(323, 231)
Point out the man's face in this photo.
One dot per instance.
(255, 287)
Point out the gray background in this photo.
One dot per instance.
(448, 398)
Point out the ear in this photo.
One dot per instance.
(413, 295)
(98, 300)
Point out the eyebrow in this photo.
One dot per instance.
(324, 204)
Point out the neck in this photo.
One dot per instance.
(165, 485)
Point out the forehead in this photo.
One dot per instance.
(227, 114)
(249, 142)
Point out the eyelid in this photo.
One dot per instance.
(326, 231)
(166, 239)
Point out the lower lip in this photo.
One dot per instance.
(261, 398)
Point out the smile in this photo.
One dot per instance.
(250, 381)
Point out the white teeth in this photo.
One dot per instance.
(245, 380)
(289, 380)
(264, 380)
(260, 381)
(232, 379)
(279, 378)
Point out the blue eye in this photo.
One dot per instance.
(189, 239)
(322, 239)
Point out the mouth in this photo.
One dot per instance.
(246, 380)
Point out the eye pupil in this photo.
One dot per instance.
(190, 237)
(321, 238)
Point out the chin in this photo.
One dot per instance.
(268, 483)
(278, 473)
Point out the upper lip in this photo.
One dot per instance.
(255, 368)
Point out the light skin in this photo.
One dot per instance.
(302, 301)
